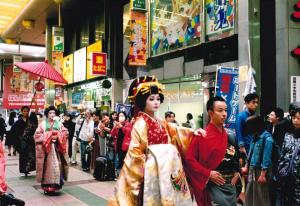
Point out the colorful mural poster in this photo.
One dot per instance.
(219, 16)
(68, 68)
(80, 65)
(96, 47)
(19, 88)
(228, 88)
(138, 39)
(175, 24)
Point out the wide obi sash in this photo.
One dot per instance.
(165, 181)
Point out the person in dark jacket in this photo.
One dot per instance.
(2, 128)
(70, 125)
(27, 146)
(121, 134)
(10, 139)
(290, 187)
(17, 131)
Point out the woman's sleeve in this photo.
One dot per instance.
(129, 185)
(181, 137)
(114, 132)
(39, 134)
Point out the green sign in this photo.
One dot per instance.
(138, 4)
(57, 39)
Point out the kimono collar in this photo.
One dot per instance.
(54, 127)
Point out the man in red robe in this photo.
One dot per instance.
(206, 152)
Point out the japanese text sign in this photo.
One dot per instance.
(99, 61)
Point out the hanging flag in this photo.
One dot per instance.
(250, 85)
(228, 88)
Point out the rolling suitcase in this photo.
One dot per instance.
(104, 169)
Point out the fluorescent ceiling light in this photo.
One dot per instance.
(5, 17)
(10, 5)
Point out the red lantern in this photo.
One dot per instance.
(39, 86)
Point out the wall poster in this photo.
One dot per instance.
(175, 24)
(219, 16)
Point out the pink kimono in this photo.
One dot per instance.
(51, 156)
(3, 185)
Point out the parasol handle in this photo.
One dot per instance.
(33, 98)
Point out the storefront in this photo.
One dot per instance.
(90, 96)
(187, 95)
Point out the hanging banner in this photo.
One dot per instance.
(219, 18)
(138, 39)
(19, 88)
(57, 39)
(96, 47)
(175, 25)
(228, 88)
(99, 64)
(138, 5)
(68, 68)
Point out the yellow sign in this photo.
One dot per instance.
(96, 47)
(68, 68)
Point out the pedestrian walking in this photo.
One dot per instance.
(96, 145)
(11, 139)
(27, 162)
(70, 125)
(51, 140)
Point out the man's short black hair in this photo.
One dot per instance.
(104, 114)
(211, 101)
(249, 97)
(279, 113)
(25, 107)
(97, 113)
(255, 124)
(169, 114)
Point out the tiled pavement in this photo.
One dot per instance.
(80, 189)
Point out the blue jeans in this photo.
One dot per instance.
(85, 155)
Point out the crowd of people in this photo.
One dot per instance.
(155, 160)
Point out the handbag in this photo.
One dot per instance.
(89, 147)
(78, 132)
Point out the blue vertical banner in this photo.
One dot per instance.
(228, 88)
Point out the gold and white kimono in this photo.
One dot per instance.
(131, 184)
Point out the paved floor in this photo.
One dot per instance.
(80, 189)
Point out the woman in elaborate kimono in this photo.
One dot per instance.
(51, 140)
(27, 146)
(152, 172)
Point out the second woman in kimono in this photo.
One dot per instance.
(51, 140)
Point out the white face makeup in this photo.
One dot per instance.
(51, 114)
(152, 104)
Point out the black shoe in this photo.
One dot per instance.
(9, 199)
(86, 169)
(15, 153)
(9, 154)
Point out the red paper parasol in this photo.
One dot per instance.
(42, 69)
